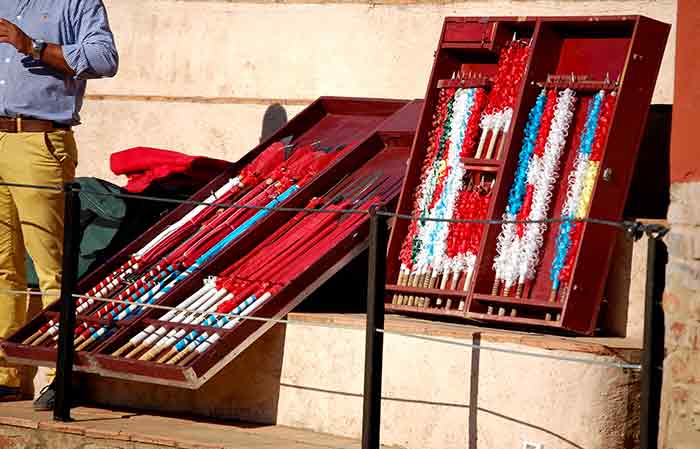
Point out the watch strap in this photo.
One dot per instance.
(37, 48)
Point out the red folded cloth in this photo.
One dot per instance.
(145, 166)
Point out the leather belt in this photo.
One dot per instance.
(28, 125)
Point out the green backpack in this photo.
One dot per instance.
(107, 223)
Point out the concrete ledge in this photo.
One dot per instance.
(435, 395)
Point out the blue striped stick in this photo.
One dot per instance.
(181, 276)
(202, 342)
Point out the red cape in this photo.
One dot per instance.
(145, 166)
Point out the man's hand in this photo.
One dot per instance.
(13, 35)
(52, 55)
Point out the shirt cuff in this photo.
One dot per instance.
(75, 58)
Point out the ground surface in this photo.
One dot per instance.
(21, 427)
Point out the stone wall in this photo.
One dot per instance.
(198, 76)
(680, 420)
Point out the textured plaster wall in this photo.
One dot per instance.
(197, 76)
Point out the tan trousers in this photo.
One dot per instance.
(31, 217)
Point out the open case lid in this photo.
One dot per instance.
(620, 54)
(384, 130)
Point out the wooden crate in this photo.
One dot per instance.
(617, 52)
(331, 120)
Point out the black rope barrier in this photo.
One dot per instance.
(653, 340)
(635, 229)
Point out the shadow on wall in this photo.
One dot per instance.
(275, 117)
(649, 194)
(649, 197)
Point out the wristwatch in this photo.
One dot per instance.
(38, 46)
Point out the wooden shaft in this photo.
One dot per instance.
(409, 299)
(401, 281)
(402, 298)
(496, 287)
(482, 141)
(492, 144)
(468, 280)
(137, 350)
(85, 344)
(167, 356)
(417, 281)
(426, 283)
(405, 277)
(41, 339)
(178, 356)
(123, 349)
(31, 338)
(151, 353)
(455, 280)
(501, 147)
(188, 359)
(431, 284)
(443, 284)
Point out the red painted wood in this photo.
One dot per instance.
(422, 311)
(447, 61)
(624, 48)
(426, 291)
(473, 31)
(685, 164)
(390, 152)
(333, 121)
(489, 299)
(642, 66)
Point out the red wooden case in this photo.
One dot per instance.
(621, 53)
(331, 120)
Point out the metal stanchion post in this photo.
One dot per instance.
(653, 354)
(71, 247)
(371, 411)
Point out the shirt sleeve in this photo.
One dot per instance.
(94, 54)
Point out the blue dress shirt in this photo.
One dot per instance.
(81, 28)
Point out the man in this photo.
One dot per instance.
(48, 49)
